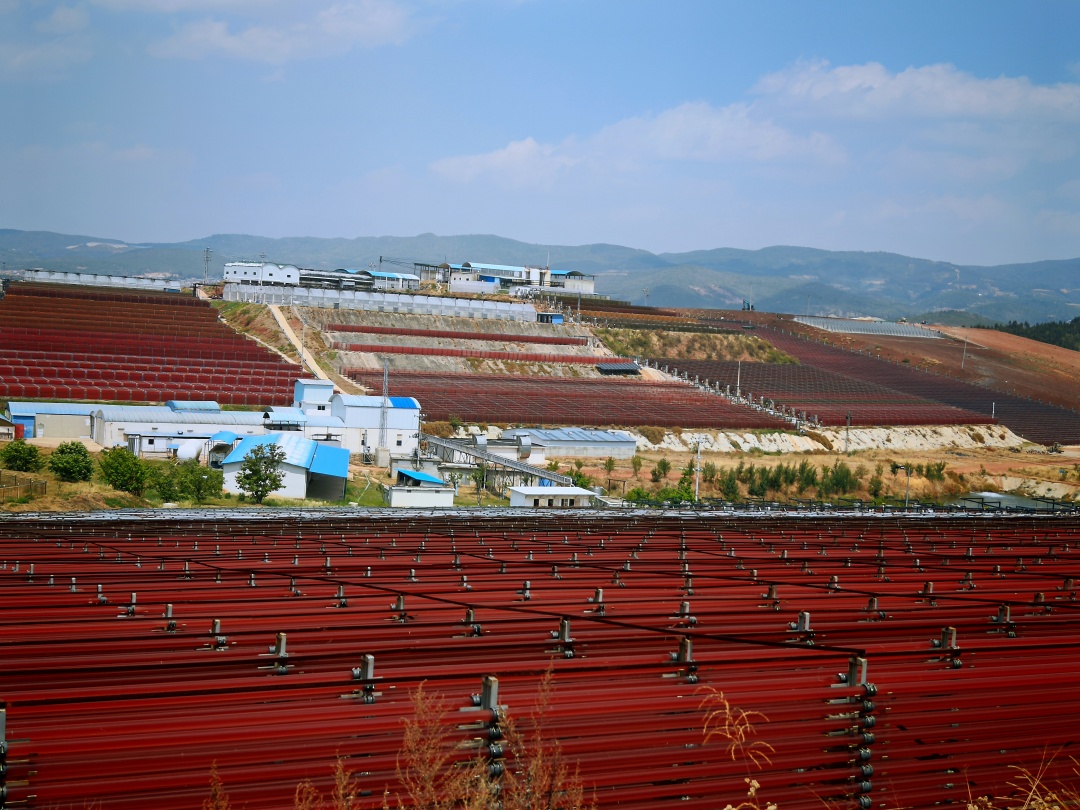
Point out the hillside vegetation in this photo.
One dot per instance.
(690, 345)
(1065, 334)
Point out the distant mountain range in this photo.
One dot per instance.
(782, 279)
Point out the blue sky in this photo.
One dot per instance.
(943, 130)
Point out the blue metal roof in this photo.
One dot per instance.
(420, 477)
(358, 401)
(387, 274)
(224, 437)
(62, 408)
(330, 461)
(543, 436)
(291, 415)
(193, 406)
(323, 419)
(299, 452)
(163, 415)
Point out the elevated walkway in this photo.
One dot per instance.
(510, 469)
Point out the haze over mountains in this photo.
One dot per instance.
(784, 279)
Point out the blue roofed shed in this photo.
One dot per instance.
(419, 490)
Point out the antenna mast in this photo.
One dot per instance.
(385, 403)
(206, 265)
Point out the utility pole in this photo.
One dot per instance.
(964, 358)
(206, 265)
(697, 470)
(907, 491)
(646, 291)
(847, 435)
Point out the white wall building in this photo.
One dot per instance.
(551, 497)
(262, 273)
(361, 417)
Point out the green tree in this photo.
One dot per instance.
(21, 457)
(636, 463)
(609, 465)
(71, 462)
(708, 472)
(196, 482)
(729, 485)
(479, 478)
(259, 474)
(123, 470)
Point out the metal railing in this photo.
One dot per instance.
(13, 487)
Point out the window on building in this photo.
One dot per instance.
(399, 440)
(322, 407)
(536, 502)
(551, 501)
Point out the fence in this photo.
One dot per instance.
(12, 487)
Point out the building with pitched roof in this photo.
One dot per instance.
(310, 469)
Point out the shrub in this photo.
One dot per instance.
(660, 471)
(163, 479)
(653, 435)
(21, 457)
(123, 470)
(71, 462)
(443, 430)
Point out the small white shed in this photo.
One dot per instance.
(418, 490)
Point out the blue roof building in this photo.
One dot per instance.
(310, 469)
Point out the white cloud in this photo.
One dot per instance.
(329, 31)
(42, 61)
(64, 20)
(176, 6)
(520, 163)
(700, 132)
(937, 91)
(692, 133)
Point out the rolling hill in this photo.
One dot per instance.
(785, 279)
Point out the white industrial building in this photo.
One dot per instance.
(309, 470)
(550, 497)
(576, 442)
(318, 413)
(474, 277)
(53, 420)
(271, 274)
